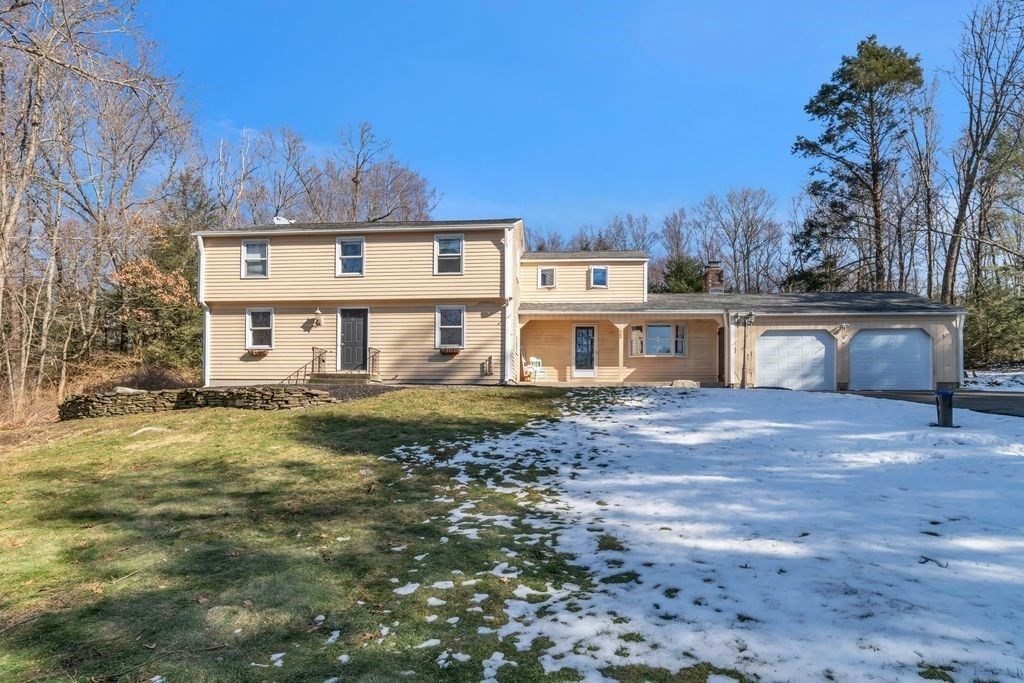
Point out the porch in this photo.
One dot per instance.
(645, 349)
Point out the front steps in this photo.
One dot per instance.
(328, 379)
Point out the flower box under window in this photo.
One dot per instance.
(449, 349)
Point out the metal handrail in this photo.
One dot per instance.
(317, 364)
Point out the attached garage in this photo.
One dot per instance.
(891, 359)
(796, 359)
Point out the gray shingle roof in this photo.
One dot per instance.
(825, 302)
(595, 255)
(377, 225)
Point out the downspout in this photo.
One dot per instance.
(201, 296)
(960, 347)
(506, 295)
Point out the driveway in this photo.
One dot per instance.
(998, 402)
(780, 535)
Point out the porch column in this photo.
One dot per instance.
(621, 327)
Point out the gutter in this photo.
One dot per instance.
(356, 230)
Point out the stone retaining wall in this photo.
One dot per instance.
(123, 401)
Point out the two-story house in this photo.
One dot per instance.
(462, 302)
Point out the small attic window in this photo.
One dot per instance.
(599, 277)
(546, 277)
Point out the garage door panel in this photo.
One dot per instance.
(891, 359)
(796, 359)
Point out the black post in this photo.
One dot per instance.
(944, 408)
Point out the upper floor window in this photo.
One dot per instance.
(546, 277)
(255, 258)
(350, 257)
(599, 276)
(259, 328)
(657, 339)
(451, 326)
(448, 254)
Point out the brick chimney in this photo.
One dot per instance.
(713, 281)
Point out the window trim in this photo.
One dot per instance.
(243, 260)
(462, 252)
(674, 339)
(249, 346)
(554, 277)
(437, 325)
(590, 277)
(338, 271)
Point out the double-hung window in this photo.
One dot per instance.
(451, 326)
(599, 277)
(350, 257)
(546, 277)
(448, 254)
(657, 339)
(259, 328)
(255, 258)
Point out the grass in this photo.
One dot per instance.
(195, 544)
(192, 544)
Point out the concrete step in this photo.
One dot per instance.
(342, 378)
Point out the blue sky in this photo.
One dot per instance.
(560, 112)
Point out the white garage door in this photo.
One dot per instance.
(796, 359)
(891, 359)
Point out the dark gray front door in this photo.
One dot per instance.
(353, 339)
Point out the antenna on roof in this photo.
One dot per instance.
(281, 220)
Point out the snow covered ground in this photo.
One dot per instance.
(994, 380)
(786, 535)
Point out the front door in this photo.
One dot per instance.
(352, 339)
(584, 362)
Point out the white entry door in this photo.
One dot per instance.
(796, 359)
(891, 359)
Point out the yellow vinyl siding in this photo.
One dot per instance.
(552, 340)
(396, 266)
(942, 330)
(625, 282)
(404, 333)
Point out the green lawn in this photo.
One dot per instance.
(195, 544)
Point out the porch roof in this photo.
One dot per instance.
(818, 303)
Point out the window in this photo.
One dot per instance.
(451, 326)
(599, 276)
(448, 255)
(657, 339)
(259, 328)
(350, 257)
(255, 258)
(546, 278)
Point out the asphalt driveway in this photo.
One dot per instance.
(1000, 402)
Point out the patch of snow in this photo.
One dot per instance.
(406, 589)
(333, 638)
(443, 585)
(436, 602)
(787, 535)
(430, 618)
(994, 380)
(433, 642)
(419, 558)
(344, 659)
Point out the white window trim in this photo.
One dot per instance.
(607, 277)
(462, 252)
(554, 277)
(337, 256)
(673, 338)
(248, 328)
(242, 259)
(437, 324)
